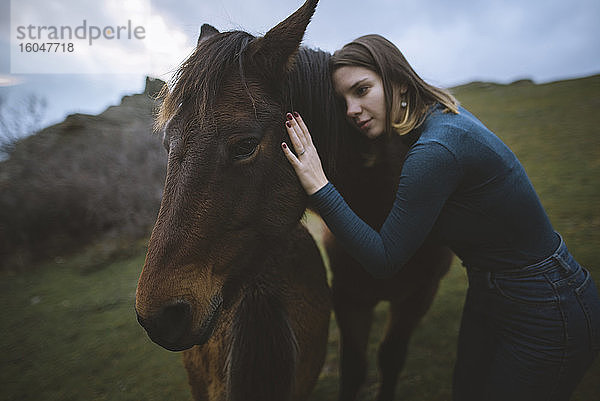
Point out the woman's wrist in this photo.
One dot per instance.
(317, 186)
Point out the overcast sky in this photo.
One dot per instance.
(447, 42)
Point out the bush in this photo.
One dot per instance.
(86, 178)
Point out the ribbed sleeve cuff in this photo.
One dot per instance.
(325, 198)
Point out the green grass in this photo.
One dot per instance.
(73, 336)
(69, 332)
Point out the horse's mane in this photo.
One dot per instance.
(308, 89)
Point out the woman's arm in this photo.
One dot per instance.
(429, 175)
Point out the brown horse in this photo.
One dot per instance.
(231, 276)
(231, 199)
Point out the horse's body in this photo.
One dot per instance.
(370, 192)
(366, 173)
(231, 277)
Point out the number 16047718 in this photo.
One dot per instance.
(47, 47)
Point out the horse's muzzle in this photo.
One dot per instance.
(171, 327)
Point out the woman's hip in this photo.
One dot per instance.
(552, 303)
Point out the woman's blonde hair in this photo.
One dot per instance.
(378, 54)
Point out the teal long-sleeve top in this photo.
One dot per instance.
(460, 185)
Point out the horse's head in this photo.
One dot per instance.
(229, 192)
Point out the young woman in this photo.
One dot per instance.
(531, 320)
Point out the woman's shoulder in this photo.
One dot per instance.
(442, 124)
(462, 133)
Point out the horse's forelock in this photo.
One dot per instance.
(199, 79)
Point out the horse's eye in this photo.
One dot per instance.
(244, 148)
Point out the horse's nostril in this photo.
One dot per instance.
(170, 325)
(173, 321)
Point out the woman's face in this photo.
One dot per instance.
(362, 90)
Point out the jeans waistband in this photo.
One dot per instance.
(561, 258)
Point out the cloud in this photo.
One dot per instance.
(119, 37)
(449, 42)
(167, 46)
(10, 80)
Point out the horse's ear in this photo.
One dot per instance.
(275, 52)
(206, 31)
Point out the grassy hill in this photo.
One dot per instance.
(69, 333)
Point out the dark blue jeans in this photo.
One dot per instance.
(528, 334)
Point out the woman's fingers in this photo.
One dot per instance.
(294, 134)
(305, 134)
(288, 153)
(307, 163)
(298, 132)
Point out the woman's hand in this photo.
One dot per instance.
(307, 164)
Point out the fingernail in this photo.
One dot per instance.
(289, 116)
(283, 145)
(296, 114)
(289, 124)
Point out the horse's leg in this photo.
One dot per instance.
(404, 315)
(354, 321)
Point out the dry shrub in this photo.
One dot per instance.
(87, 178)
